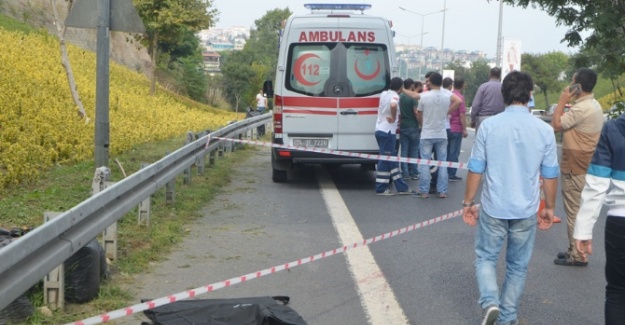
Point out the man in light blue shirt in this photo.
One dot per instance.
(511, 151)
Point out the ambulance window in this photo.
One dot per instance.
(367, 68)
(308, 68)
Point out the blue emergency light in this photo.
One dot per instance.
(337, 6)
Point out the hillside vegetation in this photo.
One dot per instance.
(39, 124)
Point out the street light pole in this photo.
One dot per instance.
(421, 49)
(499, 37)
(443, 38)
(422, 25)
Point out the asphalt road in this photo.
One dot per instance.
(421, 277)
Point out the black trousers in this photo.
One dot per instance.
(615, 270)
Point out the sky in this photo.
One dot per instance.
(470, 25)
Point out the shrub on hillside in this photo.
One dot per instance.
(39, 124)
(608, 100)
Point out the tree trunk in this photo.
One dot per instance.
(65, 61)
(154, 50)
(236, 107)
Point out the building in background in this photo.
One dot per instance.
(212, 62)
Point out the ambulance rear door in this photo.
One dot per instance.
(367, 70)
(309, 114)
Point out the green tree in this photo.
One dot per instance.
(605, 20)
(168, 20)
(172, 51)
(193, 77)
(264, 38)
(548, 72)
(474, 76)
(237, 71)
(245, 71)
(214, 89)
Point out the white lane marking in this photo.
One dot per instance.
(376, 295)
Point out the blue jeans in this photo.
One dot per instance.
(453, 150)
(439, 147)
(489, 241)
(388, 171)
(615, 270)
(409, 146)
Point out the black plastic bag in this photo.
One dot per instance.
(21, 308)
(82, 273)
(234, 311)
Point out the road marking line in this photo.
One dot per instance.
(376, 296)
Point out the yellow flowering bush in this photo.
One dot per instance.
(39, 122)
(608, 100)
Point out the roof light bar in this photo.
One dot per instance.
(338, 6)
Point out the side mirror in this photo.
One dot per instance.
(268, 88)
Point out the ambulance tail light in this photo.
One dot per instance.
(277, 114)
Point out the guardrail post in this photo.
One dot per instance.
(54, 282)
(228, 147)
(200, 164)
(201, 160)
(238, 145)
(109, 236)
(187, 172)
(170, 192)
(211, 159)
(145, 207)
(220, 151)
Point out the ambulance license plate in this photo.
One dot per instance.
(311, 143)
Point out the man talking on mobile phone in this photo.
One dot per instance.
(581, 128)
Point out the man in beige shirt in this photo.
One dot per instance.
(581, 128)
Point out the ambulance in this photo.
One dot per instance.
(332, 66)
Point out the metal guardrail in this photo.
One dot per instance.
(26, 261)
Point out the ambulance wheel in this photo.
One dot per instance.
(278, 176)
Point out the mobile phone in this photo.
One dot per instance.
(575, 89)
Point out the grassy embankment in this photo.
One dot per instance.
(46, 153)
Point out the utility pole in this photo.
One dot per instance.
(499, 37)
(97, 15)
(102, 86)
(443, 38)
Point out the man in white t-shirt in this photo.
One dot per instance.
(385, 128)
(261, 102)
(432, 112)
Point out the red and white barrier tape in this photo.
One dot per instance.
(106, 317)
(348, 154)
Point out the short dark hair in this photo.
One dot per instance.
(418, 84)
(436, 79)
(428, 74)
(516, 87)
(396, 83)
(408, 83)
(495, 73)
(458, 82)
(447, 82)
(587, 78)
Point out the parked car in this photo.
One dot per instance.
(549, 112)
(615, 111)
(538, 112)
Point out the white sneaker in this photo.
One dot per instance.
(386, 192)
(491, 313)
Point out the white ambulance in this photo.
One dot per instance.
(332, 66)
